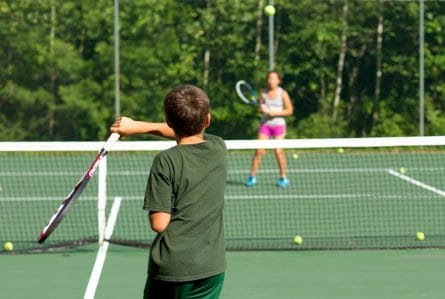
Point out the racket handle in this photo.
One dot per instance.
(110, 141)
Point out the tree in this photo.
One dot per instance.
(351, 62)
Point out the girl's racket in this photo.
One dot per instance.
(71, 198)
(246, 93)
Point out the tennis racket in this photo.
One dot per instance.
(71, 198)
(246, 93)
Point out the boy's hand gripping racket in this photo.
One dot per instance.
(74, 194)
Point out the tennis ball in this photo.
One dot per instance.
(269, 10)
(295, 156)
(298, 240)
(402, 170)
(8, 246)
(340, 151)
(420, 236)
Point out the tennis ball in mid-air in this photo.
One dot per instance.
(269, 10)
(340, 150)
(8, 246)
(298, 240)
(402, 170)
(420, 236)
(295, 156)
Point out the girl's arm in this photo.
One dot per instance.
(263, 107)
(126, 126)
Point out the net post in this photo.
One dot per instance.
(102, 200)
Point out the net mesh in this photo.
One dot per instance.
(341, 195)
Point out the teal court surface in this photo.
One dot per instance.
(354, 200)
(357, 211)
(260, 274)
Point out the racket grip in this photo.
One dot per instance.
(110, 141)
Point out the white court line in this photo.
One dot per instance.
(233, 171)
(315, 170)
(273, 170)
(40, 173)
(416, 182)
(102, 252)
(46, 198)
(321, 196)
(247, 197)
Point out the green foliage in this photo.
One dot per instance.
(319, 125)
(62, 88)
(392, 123)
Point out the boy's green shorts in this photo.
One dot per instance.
(206, 288)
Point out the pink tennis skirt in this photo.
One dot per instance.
(272, 130)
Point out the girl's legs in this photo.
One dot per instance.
(256, 161)
(281, 159)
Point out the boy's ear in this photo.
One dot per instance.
(207, 121)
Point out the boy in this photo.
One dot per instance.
(185, 198)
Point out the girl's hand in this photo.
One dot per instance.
(264, 109)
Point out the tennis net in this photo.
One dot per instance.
(343, 193)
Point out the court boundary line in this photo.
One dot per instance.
(238, 196)
(232, 171)
(416, 182)
(40, 198)
(96, 273)
(320, 196)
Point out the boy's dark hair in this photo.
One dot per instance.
(186, 108)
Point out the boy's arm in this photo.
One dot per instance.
(159, 221)
(126, 126)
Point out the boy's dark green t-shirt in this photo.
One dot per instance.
(188, 181)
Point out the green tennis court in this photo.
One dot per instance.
(353, 70)
(357, 198)
(259, 274)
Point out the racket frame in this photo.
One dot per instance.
(253, 98)
(71, 198)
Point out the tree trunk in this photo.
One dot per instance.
(353, 78)
(277, 37)
(207, 50)
(378, 75)
(259, 26)
(341, 62)
(52, 75)
(322, 86)
(206, 65)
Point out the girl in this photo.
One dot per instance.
(275, 105)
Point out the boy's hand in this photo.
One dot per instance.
(124, 126)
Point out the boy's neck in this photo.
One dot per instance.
(198, 138)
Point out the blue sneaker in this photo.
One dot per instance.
(251, 180)
(282, 182)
